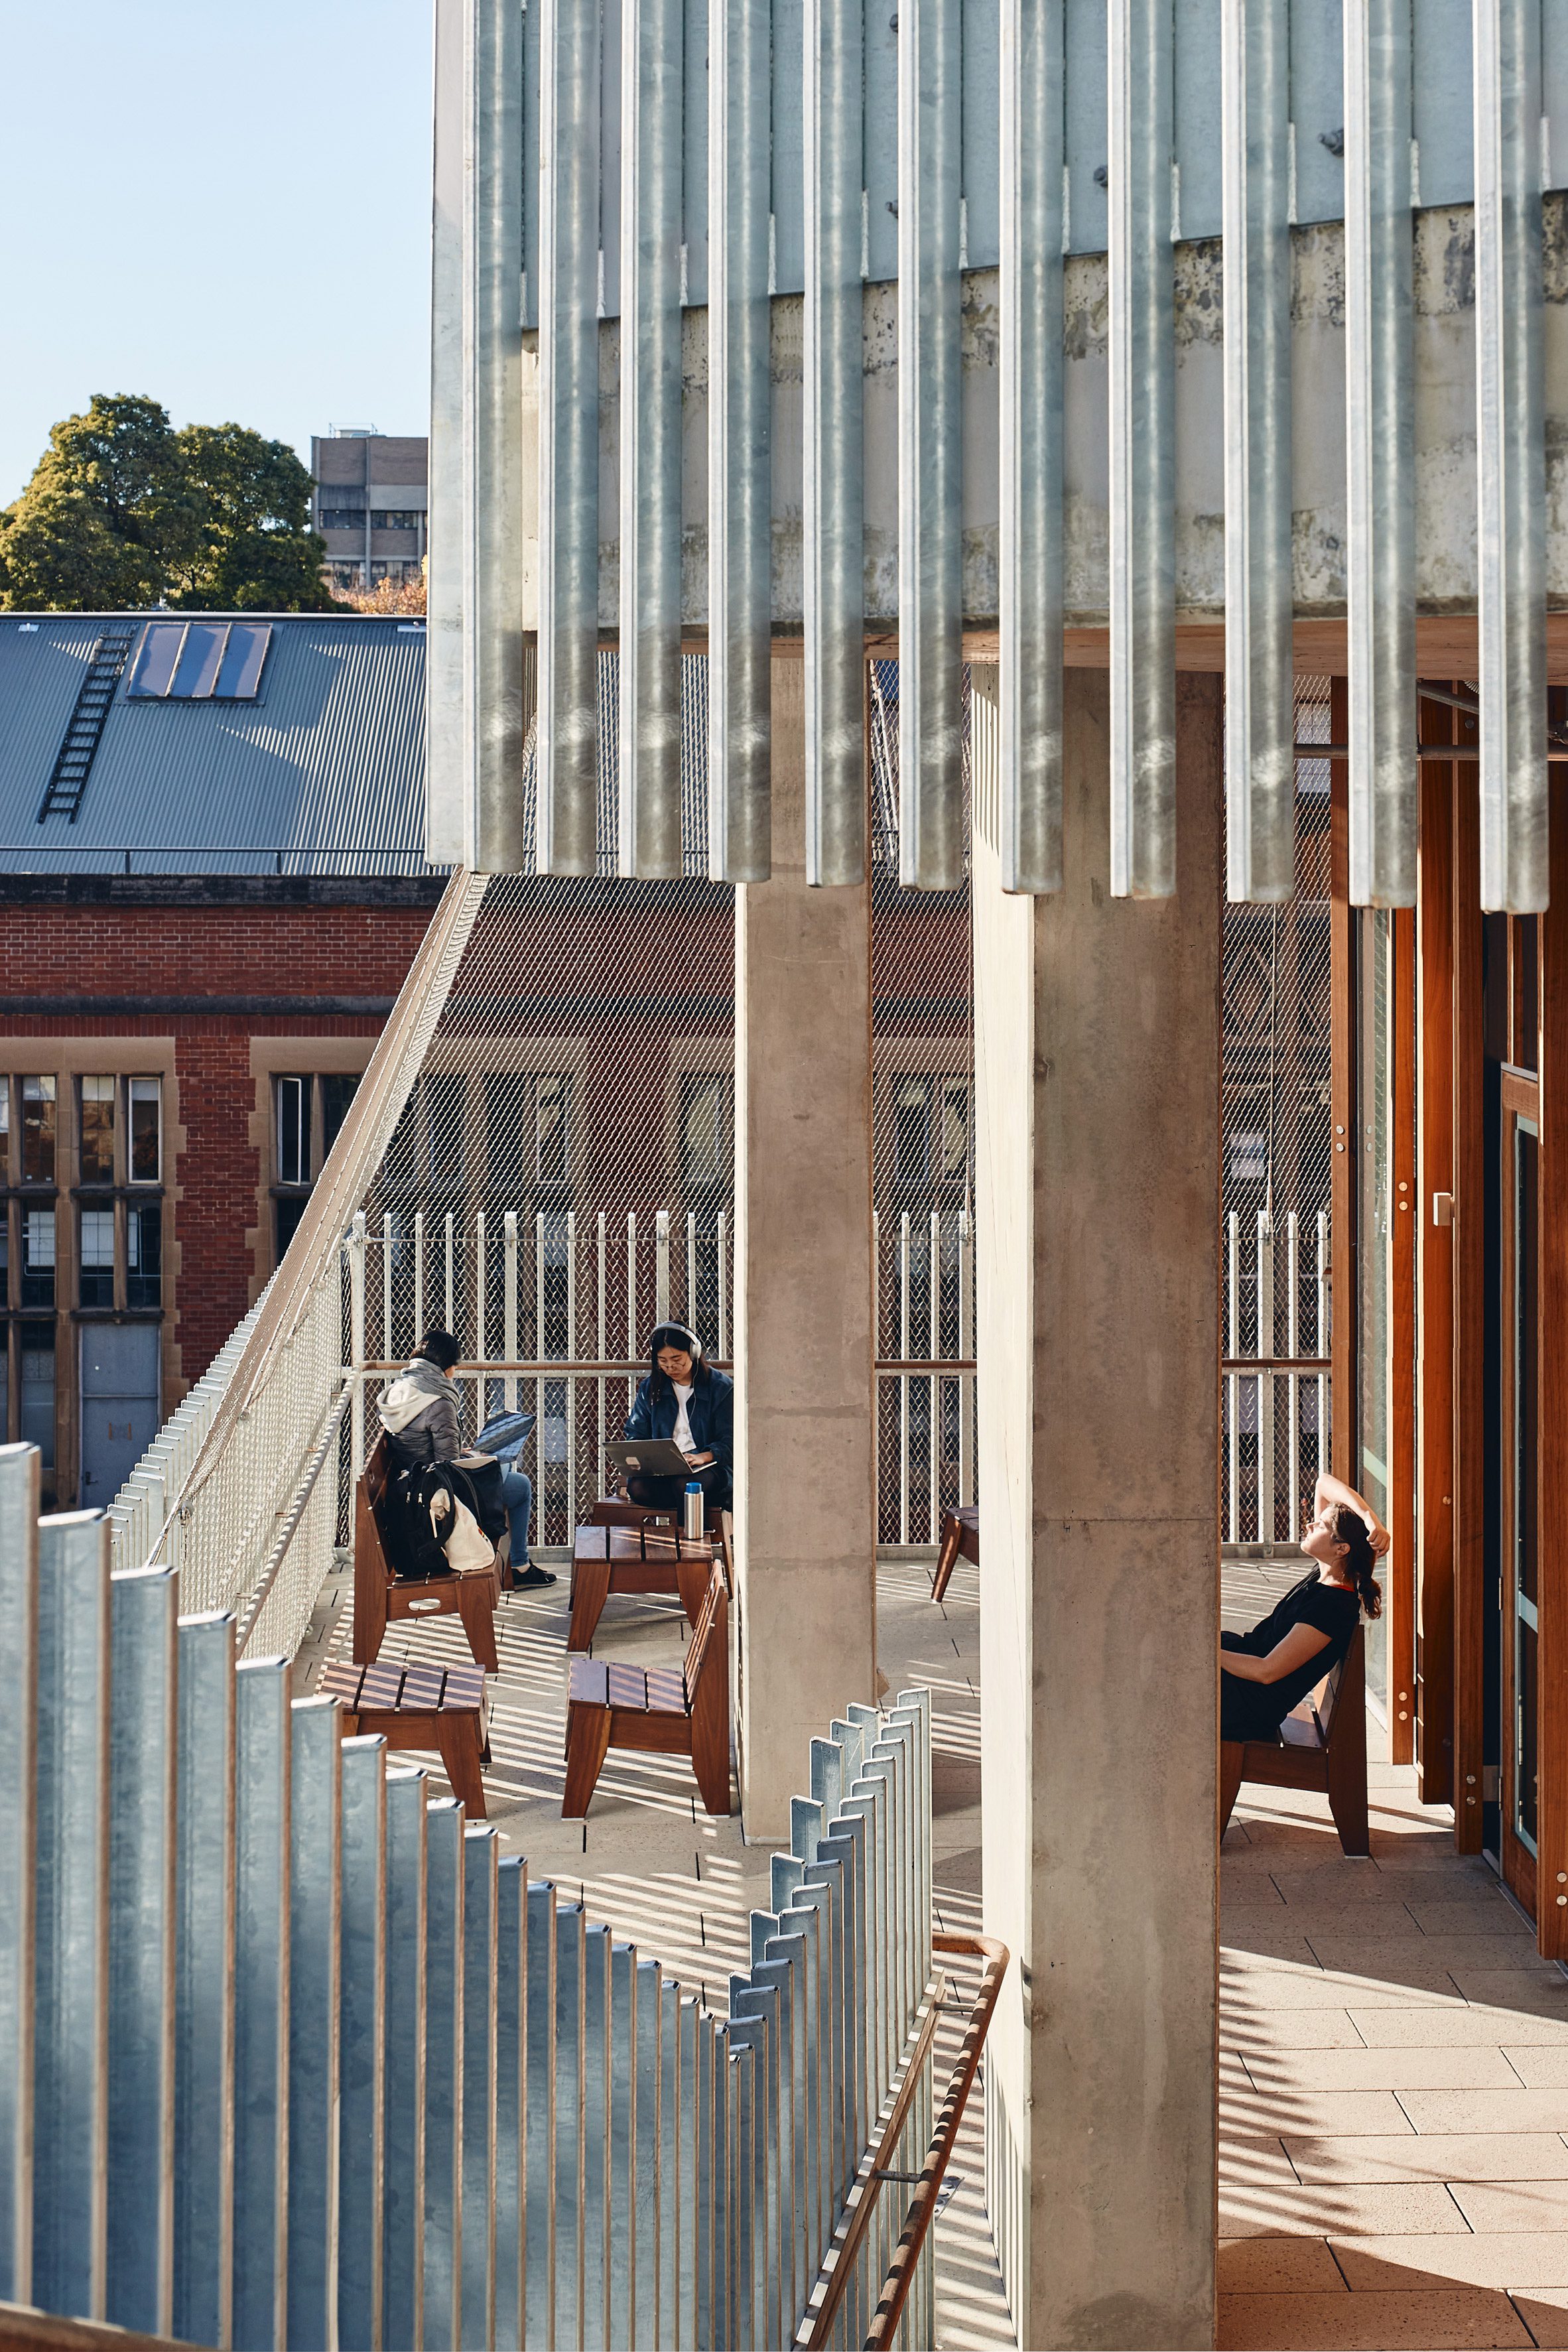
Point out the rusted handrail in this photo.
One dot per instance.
(923, 2206)
(870, 2180)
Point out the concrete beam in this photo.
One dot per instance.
(805, 1332)
(1097, 1068)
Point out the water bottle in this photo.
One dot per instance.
(693, 1525)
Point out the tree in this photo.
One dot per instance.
(123, 511)
(400, 596)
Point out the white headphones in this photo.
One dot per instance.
(693, 1344)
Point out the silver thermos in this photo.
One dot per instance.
(693, 1525)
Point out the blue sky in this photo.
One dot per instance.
(225, 204)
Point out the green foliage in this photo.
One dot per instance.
(123, 511)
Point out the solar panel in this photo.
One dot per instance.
(241, 672)
(154, 666)
(195, 673)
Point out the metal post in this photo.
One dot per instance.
(653, 88)
(403, 2252)
(571, 2091)
(481, 1854)
(661, 1266)
(262, 1780)
(315, 1831)
(1379, 454)
(567, 738)
(1140, 75)
(931, 457)
(904, 1376)
(510, 2001)
(596, 2139)
(444, 2076)
(1232, 1386)
(622, 2203)
(740, 443)
(17, 1861)
(1266, 1514)
(447, 1270)
(1510, 452)
(539, 2250)
(362, 2051)
(509, 1302)
(832, 501)
(71, 2115)
(143, 1745)
(1293, 1347)
(204, 1982)
(418, 1274)
(1260, 685)
(1029, 571)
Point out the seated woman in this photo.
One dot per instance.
(1266, 1673)
(684, 1397)
(420, 1412)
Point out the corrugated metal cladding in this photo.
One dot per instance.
(322, 774)
(1440, 47)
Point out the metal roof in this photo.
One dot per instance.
(322, 774)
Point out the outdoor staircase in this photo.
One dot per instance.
(79, 747)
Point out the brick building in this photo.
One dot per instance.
(212, 878)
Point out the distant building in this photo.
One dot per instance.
(370, 501)
(213, 880)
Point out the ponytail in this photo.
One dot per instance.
(1349, 1528)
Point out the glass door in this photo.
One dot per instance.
(1520, 1454)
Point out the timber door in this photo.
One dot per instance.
(1519, 1456)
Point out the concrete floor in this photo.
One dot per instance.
(652, 1863)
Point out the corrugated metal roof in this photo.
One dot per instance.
(322, 774)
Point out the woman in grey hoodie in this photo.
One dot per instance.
(420, 1412)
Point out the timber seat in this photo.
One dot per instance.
(658, 1710)
(382, 1598)
(960, 1539)
(439, 1707)
(630, 1547)
(1321, 1746)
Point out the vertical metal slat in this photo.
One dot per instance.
(362, 2052)
(262, 1782)
(403, 2203)
(315, 1928)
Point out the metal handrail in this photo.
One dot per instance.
(316, 1463)
(922, 2205)
(874, 2174)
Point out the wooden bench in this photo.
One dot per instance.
(437, 1707)
(656, 1710)
(960, 1539)
(649, 1554)
(382, 1598)
(1323, 1748)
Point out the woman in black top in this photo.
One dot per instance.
(1266, 1673)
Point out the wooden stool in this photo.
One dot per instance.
(656, 1710)
(649, 1557)
(437, 1707)
(960, 1536)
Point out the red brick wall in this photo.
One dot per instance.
(221, 951)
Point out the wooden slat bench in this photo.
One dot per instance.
(439, 1707)
(382, 1598)
(960, 1539)
(657, 1710)
(650, 1555)
(1323, 1748)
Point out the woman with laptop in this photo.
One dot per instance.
(686, 1401)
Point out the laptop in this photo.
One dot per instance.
(649, 1457)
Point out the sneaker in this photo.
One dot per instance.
(532, 1579)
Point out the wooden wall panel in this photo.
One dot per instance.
(1344, 1297)
(1469, 1317)
(1435, 1277)
(1399, 1580)
(1551, 1860)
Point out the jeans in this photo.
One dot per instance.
(516, 1494)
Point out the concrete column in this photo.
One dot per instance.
(804, 1326)
(1097, 1053)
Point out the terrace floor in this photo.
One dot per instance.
(1393, 2086)
(650, 1861)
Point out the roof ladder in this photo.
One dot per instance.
(79, 747)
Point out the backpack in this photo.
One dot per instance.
(431, 1528)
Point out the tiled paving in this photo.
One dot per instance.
(652, 1863)
(1393, 2091)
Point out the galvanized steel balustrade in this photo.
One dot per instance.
(696, 162)
(295, 2056)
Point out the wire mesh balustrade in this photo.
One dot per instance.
(1277, 1141)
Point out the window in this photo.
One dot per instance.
(38, 1130)
(911, 1130)
(396, 519)
(146, 1151)
(293, 1099)
(37, 1257)
(704, 1123)
(199, 661)
(954, 1128)
(143, 1254)
(338, 1092)
(95, 1277)
(4, 1130)
(444, 1113)
(38, 1391)
(551, 1139)
(95, 1160)
(1249, 1158)
(290, 1210)
(341, 519)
